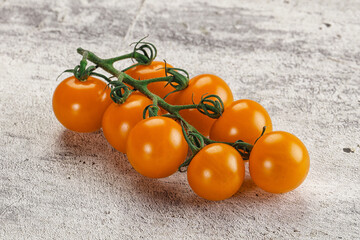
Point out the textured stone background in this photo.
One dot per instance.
(299, 59)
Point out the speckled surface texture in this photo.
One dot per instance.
(299, 59)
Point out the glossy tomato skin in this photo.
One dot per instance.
(80, 105)
(242, 120)
(216, 172)
(279, 162)
(155, 70)
(156, 147)
(119, 119)
(198, 86)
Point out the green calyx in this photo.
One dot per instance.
(152, 110)
(179, 80)
(144, 52)
(119, 91)
(211, 107)
(82, 73)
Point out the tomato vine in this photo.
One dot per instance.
(209, 105)
(182, 114)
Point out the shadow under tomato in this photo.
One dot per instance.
(84, 149)
(249, 189)
(91, 149)
(248, 185)
(174, 191)
(82, 144)
(251, 192)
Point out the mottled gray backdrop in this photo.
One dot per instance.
(299, 59)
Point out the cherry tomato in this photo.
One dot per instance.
(156, 147)
(154, 70)
(80, 105)
(198, 86)
(216, 172)
(279, 162)
(119, 119)
(242, 120)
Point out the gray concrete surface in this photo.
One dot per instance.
(299, 59)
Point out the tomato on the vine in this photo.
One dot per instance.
(279, 162)
(198, 87)
(119, 119)
(80, 105)
(216, 172)
(155, 70)
(243, 120)
(156, 147)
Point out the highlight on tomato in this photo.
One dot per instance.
(155, 70)
(198, 87)
(80, 105)
(279, 162)
(242, 120)
(119, 119)
(156, 147)
(216, 172)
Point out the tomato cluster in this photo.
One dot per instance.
(157, 145)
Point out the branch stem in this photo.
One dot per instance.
(141, 85)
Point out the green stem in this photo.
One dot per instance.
(182, 107)
(160, 79)
(126, 56)
(141, 85)
(107, 66)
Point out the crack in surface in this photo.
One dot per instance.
(133, 23)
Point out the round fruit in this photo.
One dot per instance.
(216, 172)
(242, 120)
(80, 105)
(156, 147)
(279, 162)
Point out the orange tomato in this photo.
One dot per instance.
(155, 70)
(216, 172)
(198, 86)
(242, 120)
(279, 162)
(80, 105)
(119, 119)
(156, 147)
